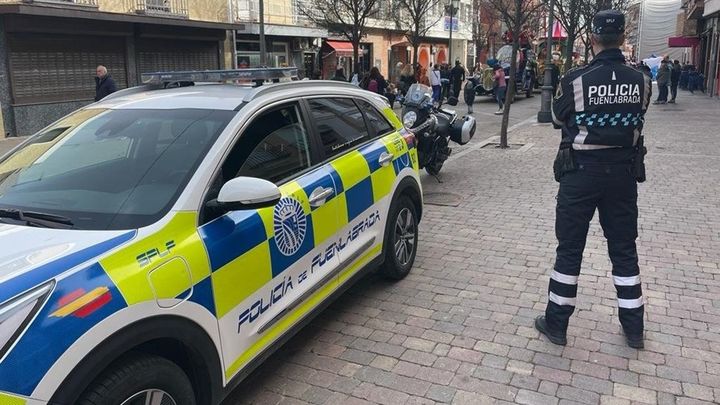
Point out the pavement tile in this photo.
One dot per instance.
(534, 398)
(578, 395)
(643, 395)
(441, 393)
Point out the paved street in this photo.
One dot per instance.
(459, 328)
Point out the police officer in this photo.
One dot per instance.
(600, 109)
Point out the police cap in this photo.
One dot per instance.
(608, 22)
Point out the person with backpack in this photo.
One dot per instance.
(374, 82)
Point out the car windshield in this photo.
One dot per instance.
(109, 169)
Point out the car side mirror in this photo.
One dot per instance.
(246, 193)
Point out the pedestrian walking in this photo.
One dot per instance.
(407, 78)
(104, 83)
(469, 94)
(663, 80)
(421, 75)
(600, 110)
(675, 72)
(355, 79)
(457, 77)
(374, 82)
(436, 83)
(339, 75)
(445, 81)
(500, 87)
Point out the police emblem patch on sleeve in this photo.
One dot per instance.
(289, 224)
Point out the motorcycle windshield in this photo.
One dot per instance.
(418, 93)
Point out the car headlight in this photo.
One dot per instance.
(409, 119)
(16, 314)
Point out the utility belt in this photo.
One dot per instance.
(565, 161)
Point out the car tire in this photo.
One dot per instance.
(135, 379)
(401, 239)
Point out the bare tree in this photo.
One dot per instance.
(588, 9)
(516, 14)
(347, 18)
(415, 18)
(569, 13)
(483, 22)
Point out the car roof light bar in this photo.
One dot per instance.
(253, 74)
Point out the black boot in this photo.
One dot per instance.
(559, 338)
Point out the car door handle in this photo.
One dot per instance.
(319, 195)
(385, 159)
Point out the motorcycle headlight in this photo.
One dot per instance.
(16, 314)
(409, 119)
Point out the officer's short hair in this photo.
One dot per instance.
(614, 40)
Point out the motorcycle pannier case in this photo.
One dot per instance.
(462, 130)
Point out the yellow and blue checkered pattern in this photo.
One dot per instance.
(243, 252)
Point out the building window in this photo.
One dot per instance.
(248, 54)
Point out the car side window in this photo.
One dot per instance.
(339, 123)
(379, 125)
(274, 147)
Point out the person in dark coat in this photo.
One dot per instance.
(340, 75)
(444, 82)
(457, 77)
(675, 71)
(469, 94)
(374, 82)
(104, 83)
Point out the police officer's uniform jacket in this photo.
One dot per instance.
(602, 106)
(600, 110)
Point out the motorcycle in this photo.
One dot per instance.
(434, 127)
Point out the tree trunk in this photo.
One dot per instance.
(572, 33)
(356, 59)
(510, 95)
(569, 51)
(588, 47)
(415, 46)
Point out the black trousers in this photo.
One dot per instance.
(612, 190)
(673, 90)
(663, 94)
(456, 85)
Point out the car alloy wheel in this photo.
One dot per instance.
(150, 397)
(404, 236)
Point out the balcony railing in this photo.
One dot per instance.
(169, 8)
(280, 12)
(90, 3)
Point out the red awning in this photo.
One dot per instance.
(683, 42)
(341, 48)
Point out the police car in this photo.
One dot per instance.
(159, 244)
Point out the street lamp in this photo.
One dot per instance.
(545, 113)
(390, 64)
(452, 7)
(263, 51)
